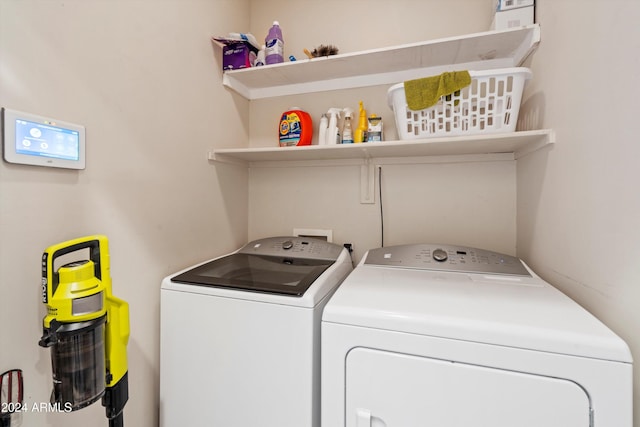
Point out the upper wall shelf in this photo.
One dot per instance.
(480, 51)
(517, 143)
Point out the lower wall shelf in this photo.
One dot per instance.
(518, 143)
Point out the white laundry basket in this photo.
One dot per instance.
(490, 104)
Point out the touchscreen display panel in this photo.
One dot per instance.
(41, 139)
(31, 139)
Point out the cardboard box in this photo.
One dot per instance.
(236, 54)
(512, 18)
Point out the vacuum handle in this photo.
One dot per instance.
(93, 243)
(98, 253)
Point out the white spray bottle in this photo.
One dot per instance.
(333, 133)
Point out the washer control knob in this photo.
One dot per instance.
(440, 255)
(286, 245)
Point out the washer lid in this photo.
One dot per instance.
(507, 310)
(279, 265)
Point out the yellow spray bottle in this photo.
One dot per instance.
(359, 135)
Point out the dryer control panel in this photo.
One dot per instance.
(446, 258)
(294, 247)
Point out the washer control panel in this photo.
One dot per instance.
(446, 258)
(293, 247)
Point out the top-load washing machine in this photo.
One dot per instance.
(435, 335)
(240, 335)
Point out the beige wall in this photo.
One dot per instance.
(144, 79)
(459, 202)
(578, 204)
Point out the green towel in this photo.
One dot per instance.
(424, 93)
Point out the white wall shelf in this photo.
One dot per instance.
(480, 51)
(516, 143)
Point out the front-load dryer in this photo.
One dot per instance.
(240, 335)
(436, 335)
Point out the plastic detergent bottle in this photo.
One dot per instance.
(322, 131)
(347, 135)
(374, 130)
(296, 128)
(274, 45)
(360, 133)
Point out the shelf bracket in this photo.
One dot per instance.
(212, 156)
(367, 182)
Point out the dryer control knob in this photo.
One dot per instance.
(440, 255)
(287, 244)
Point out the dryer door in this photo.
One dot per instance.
(385, 389)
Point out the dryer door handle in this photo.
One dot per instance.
(365, 419)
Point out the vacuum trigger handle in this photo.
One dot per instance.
(50, 336)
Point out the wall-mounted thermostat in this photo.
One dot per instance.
(42, 141)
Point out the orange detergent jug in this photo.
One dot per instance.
(296, 128)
